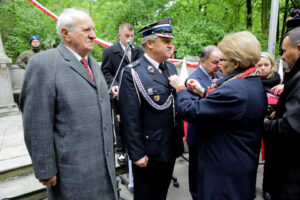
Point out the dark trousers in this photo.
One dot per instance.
(120, 143)
(193, 168)
(152, 182)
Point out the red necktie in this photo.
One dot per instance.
(86, 66)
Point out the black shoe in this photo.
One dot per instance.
(267, 196)
(122, 159)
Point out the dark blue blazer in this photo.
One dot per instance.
(198, 74)
(231, 122)
(148, 131)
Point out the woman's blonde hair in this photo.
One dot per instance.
(242, 47)
(273, 65)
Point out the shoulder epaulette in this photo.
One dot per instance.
(134, 64)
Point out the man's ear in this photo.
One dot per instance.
(298, 48)
(65, 34)
(202, 61)
(149, 44)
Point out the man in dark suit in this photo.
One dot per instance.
(111, 60)
(66, 115)
(209, 69)
(153, 138)
(283, 131)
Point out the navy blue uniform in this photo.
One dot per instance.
(230, 122)
(149, 131)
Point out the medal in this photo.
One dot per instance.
(150, 69)
(156, 98)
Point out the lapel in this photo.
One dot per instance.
(75, 64)
(134, 53)
(203, 78)
(118, 49)
(157, 76)
(96, 72)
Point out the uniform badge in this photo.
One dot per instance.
(150, 69)
(156, 98)
(150, 91)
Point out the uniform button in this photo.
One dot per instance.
(147, 137)
(101, 100)
(105, 128)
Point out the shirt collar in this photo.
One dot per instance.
(123, 47)
(76, 54)
(154, 63)
(205, 72)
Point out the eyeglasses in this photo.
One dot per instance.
(223, 59)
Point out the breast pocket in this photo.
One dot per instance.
(153, 142)
(156, 93)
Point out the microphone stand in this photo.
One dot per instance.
(116, 75)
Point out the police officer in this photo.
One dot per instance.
(24, 57)
(153, 136)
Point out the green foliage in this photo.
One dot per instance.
(196, 23)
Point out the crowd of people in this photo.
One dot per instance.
(69, 125)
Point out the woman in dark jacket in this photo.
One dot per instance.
(270, 78)
(230, 116)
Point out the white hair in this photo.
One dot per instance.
(67, 19)
(149, 37)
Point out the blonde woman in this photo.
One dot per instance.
(268, 69)
(229, 116)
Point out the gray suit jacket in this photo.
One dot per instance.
(67, 126)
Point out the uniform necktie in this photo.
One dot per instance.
(86, 66)
(163, 69)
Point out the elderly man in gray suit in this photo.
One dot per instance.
(66, 116)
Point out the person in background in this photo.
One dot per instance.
(67, 117)
(24, 57)
(270, 78)
(284, 128)
(231, 113)
(174, 52)
(153, 135)
(269, 74)
(111, 60)
(209, 69)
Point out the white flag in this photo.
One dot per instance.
(183, 72)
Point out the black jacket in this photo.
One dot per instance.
(284, 132)
(111, 59)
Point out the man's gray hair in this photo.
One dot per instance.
(67, 19)
(149, 37)
(294, 37)
(207, 51)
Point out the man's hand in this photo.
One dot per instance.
(115, 90)
(278, 89)
(195, 86)
(142, 162)
(49, 182)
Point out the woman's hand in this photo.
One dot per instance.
(175, 81)
(278, 89)
(196, 87)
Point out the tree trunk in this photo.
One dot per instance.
(264, 16)
(285, 16)
(249, 14)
